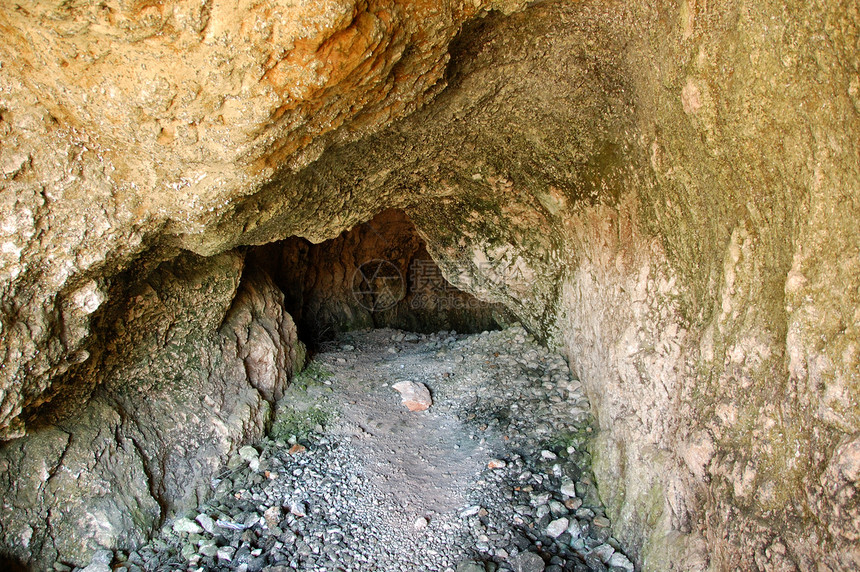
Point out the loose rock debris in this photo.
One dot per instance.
(494, 477)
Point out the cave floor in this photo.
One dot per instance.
(493, 476)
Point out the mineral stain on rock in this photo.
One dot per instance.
(664, 192)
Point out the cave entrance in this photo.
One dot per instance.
(376, 275)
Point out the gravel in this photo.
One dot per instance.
(507, 487)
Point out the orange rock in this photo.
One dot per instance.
(296, 449)
(415, 396)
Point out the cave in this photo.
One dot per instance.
(375, 275)
(655, 203)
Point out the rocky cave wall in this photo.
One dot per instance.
(668, 191)
(376, 275)
(185, 368)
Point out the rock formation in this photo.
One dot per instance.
(377, 274)
(666, 190)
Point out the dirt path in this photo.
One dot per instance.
(493, 477)
(423, 458)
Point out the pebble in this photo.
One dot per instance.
(601, 521)
(100, 562)
(573, 504)
(604, 552)
(225, 553)
(187, 526)
(470, 511)
(247, 453)
(557, 527)
(574, 529)
(205, 521)
(528, 562)
(618, 560)
(272, 516)
(298, 508)
(568, 489)
(420, 523)
(470, 566)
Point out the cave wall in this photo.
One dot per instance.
(665, 190)
(376, 275)
(190, 361)
(709, 298)
(134, 126)
(642, 186)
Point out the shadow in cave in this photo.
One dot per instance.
(10, 565)
(376, 275)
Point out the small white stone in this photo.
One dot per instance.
(187, 526)
(420, 523)
(298, 508)
(618, 560)
(206, 522)
(557, 527)
(247, 453)
(471, 511)
(226, 553)
(568, 489)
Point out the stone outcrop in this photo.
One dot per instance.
(129, 126)
(667, 190)
(190, 365)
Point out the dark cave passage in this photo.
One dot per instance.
(378, 274)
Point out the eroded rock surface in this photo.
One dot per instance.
(667, 190)
(377, 274)
(189, 369)
(133, 124)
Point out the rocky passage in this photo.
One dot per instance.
(493, 476)
(666, 190)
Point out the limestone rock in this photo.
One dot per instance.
(608, 184)
(415, 396)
